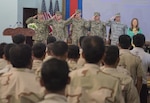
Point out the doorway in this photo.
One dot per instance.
(28, 12)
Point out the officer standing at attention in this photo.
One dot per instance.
(40, 28)
(97, 27)
(78, 26)
(59, 26)
(117, 28)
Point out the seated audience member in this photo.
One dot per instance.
(111, 60)
(7, 58)
(48, 52)
(3, 62)
(51, 39)
(129, 61)
(20, 85)
(38, 52)
(81, 60)
(73, 56)
(18, 39)
(60, 50)
(54, 77)
(88, 84)
(139, 41)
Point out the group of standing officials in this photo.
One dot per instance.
(80, 27)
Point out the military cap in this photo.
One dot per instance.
(117, 14)
(58, 13)
(96, 14)
(78, 11)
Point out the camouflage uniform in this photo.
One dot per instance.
(20, 86)
(97, 28)
(78, 28)
(73, 65)
(41, 32)
(128, 88)
(36, 64)
(117, 29)
(3, 63)
(90, 85)
(54, 98)
(131, 63)
(59, 31)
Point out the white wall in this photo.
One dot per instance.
(8, 17)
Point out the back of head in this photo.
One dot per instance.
(111, 55)
(2, 46)
(139, 40)
(39, 50)
(93, 49)
(80, 40)
(124, 41)
(73, 52)
(51, 39)
(20, 56)
(54, 74)
(59, 48)
(18, 39)
(6, 51)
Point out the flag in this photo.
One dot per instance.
(51, 8)
(56, 6)
(71, 6)
(46, 14)
(44, 10)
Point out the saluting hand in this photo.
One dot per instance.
(34, 16)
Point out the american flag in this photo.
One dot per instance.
(46, 14)
(56, 6)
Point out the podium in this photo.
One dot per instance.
(27, 32)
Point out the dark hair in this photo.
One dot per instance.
(139, 40)
(51, 39)
(2, 46)
(20, 55)
(111, 55)
(124, 41)
(6, 51)
(80, 40)
(39, 50)
(54, 74)
(18, 39)
(73, 52)
(49, 47)
(137, 27)
(93, 49)
(59, 48)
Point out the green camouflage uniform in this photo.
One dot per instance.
(59, 29)
(41, 32)
(97, 28)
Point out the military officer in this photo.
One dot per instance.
(97, 27)
(117, 28)
(41, 29)
(59, 26)
(79, 26)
